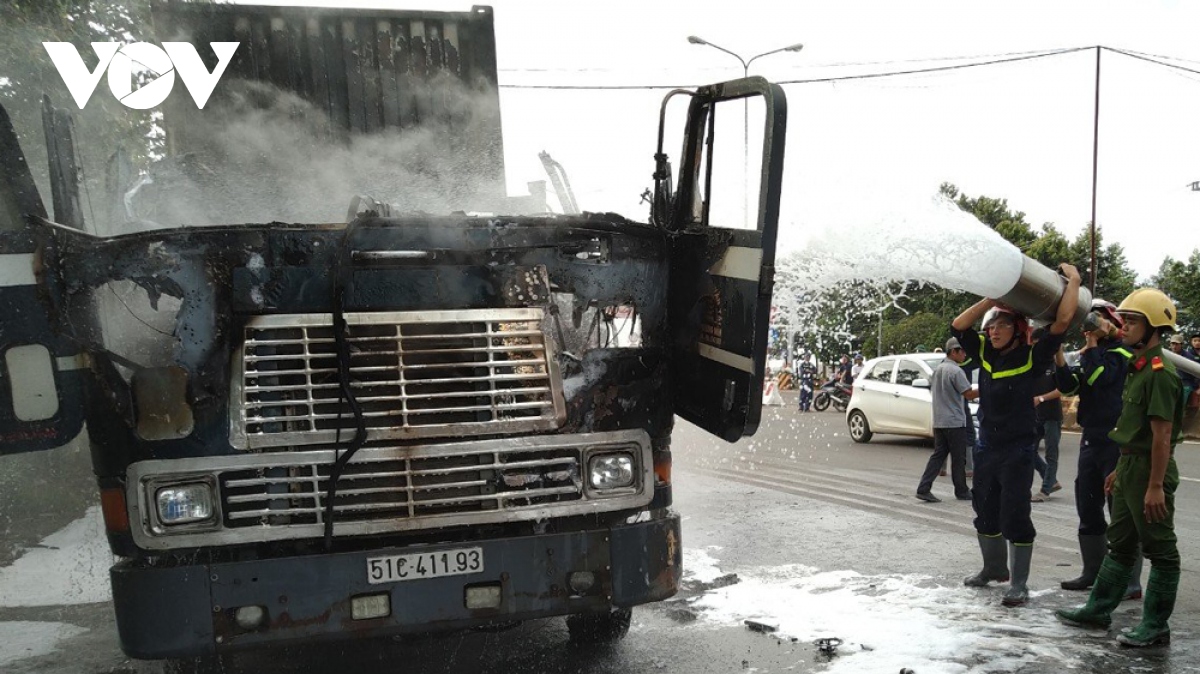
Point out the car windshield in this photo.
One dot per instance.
(934, 361)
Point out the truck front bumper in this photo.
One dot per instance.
(170, 612)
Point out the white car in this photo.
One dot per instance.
(891, 395)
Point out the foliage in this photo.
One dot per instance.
(919, 332)
(1181, 280)
(1114, 279)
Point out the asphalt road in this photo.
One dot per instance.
(798, 495)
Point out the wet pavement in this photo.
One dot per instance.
(798, 530)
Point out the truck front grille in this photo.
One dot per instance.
(413, 374)
(388, 488)
(274, 496)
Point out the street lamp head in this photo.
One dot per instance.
(796, 47)
(697, 40)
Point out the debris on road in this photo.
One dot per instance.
(756, 626)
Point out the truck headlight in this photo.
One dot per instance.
(184, 503)
(611, 471)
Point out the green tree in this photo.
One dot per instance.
(1114, 279)
(904, 335)
(1050, 248)
(1181, 281)
(996, 214)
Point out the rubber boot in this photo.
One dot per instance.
(1134, 589)
(1018, 593)
(1106, 595)
(1156, 610)
(995, 562)
(1092, 549)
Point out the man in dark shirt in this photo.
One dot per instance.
(1008, 430)
(1048, 407)
(1176, 345)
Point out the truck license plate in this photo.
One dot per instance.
(456, 562)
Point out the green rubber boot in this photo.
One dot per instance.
(1134, 591)
(1156, 609)
(995, 562)
(1106, 595)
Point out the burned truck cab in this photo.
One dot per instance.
(396, 425)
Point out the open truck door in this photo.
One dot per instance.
(41, 369)
(722, 275)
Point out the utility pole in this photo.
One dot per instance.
(1095, 168)
(745, 115)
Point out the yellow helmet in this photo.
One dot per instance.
(1152, 303)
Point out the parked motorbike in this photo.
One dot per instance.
(832, 392)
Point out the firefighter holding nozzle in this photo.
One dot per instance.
(1007, 444)
(1146, 477)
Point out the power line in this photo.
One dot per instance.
(838, 64)
(1157, 56)
(1017, 57)
(1140, 57)
(917, 71)
(1022, 56)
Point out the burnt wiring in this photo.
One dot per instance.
(137, 318)
(346, 396)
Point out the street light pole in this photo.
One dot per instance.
(745, 114)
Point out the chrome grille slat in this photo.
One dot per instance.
(385, 368)
(405, 352)
(469, 482)
(416, 374)
(387, 382)
(567, 461)
(393, 413)
(418, 396)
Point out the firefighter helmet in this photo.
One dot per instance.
(1152, 303)
(1109, 311)
(1019, 322)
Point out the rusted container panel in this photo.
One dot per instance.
(368, 71)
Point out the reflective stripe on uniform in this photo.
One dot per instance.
(1092, 379)
(1004, 374)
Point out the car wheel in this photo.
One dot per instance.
(860, 430)
(821, 402)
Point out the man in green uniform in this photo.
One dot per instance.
(1144, 482)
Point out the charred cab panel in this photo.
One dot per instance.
(41, 368)
(721, 278)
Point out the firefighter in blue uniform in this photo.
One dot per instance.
(1008, 431)
(1098, 381)
(1144, 483)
